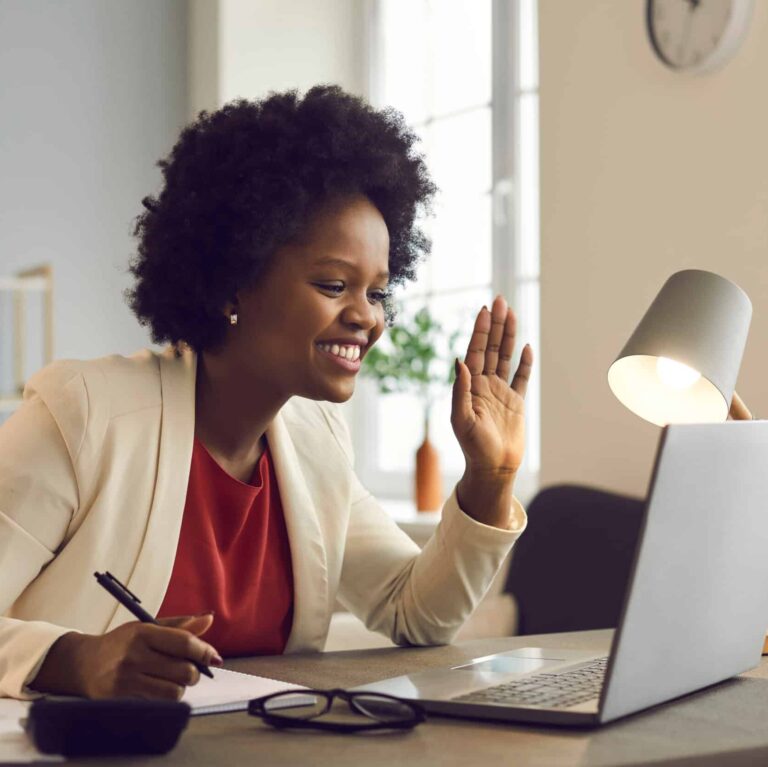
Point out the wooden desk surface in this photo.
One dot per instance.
(727, 725)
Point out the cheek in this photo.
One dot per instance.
(381, 323)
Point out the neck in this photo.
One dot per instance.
(232, 412)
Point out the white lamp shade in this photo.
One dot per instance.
(700, 320)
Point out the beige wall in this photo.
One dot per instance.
(245, 48)
(643, 172)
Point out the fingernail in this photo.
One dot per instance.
(202, 615)
(217, 660)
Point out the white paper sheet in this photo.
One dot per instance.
(230, 691)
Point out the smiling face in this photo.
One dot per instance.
(304, 327)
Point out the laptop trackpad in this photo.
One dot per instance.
(506, 664)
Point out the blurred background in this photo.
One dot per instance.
(576, 170)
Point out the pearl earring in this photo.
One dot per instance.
(233, 318)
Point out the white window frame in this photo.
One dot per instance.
(508, 274)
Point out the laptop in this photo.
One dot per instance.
(694, 614)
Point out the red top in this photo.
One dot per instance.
(234, 558)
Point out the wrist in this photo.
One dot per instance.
(62, 670)
(486, 496)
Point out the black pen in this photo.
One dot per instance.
(131, 603)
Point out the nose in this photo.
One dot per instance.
(360, 312)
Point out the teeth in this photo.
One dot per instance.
(351, 353)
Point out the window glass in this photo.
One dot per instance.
(403, 68)
(461, 55)
(434, 61)
(461, 243)
(458, 152)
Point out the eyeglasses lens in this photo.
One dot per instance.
(382, 709)
(296, 705)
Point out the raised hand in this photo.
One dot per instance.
(487, 414)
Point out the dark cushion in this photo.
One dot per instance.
(570, 568)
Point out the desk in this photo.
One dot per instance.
(725, 726)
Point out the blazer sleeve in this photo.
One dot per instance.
(415, 596)
(38, 497)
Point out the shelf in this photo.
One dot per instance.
(25, 284)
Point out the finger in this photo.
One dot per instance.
(461, 404)
(523, 372)
(139, 685)
(152, 688)
(160, 666)
(507, 346)
(195, 624)
(475, 357)
(498, 322)
(180, 644)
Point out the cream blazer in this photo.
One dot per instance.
(93, 476)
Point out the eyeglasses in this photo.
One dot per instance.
(302, 708)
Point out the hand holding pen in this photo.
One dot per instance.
(133, 604)
(138, 660)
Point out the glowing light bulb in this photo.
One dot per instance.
(675, 374)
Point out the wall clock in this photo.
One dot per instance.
(697, 36)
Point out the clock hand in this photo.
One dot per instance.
(682, 48)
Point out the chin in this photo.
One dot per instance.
(337, 394)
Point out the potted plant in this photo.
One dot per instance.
(417, 357)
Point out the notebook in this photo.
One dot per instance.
(230, 691)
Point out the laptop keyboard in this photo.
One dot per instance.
(548, 690)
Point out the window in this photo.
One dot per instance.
(464, 73)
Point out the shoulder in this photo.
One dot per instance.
(310, 419)
(115, 385)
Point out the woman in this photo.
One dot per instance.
(215, 479)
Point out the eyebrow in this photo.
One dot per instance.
(346, 265)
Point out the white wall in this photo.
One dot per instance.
(265, 45)
(92, 94)
(643, 172)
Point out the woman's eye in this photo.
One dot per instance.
(335, 288)
(332, 288)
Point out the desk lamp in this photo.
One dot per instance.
(681, 363)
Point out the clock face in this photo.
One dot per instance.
(697, 35)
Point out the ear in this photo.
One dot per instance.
(231, 307)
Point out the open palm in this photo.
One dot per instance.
(487, 412)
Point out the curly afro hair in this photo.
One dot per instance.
(243, 181)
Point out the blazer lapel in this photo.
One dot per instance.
(152, 572)
(308, 558)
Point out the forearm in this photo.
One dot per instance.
(422, 597)
(487, 498)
